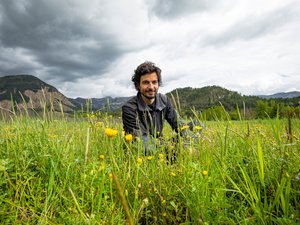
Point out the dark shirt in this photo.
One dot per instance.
(146, 121)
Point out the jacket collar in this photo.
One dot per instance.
(142, 106)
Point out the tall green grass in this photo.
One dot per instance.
(67, 171)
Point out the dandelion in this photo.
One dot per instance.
(172, 174)
(184, 127)
(139, 161)
(110, 132)
(150, 157)
(197, 128)
(102, 157)
(110, 175)
(102, 167)
(128, 137)
(204, 172)
(161, 157)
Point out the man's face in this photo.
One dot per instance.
(149, 86)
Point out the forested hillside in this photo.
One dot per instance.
(214, 102)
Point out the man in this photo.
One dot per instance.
(144, 114)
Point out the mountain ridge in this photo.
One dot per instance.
(30, 88)
(27, 92)
(289, 94)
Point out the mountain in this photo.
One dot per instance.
(209, 96)
(291, 94)
(35, 94)
(29, 92)
(104, 104)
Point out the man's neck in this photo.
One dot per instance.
(147, 100)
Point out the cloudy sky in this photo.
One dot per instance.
(91, 48)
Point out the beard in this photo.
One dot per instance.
(151, 96)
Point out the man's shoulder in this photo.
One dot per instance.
(131, 103)
(163, 97)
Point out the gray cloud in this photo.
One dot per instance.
(171, 9)
(66, 44)
(256, 25)
(90, 49)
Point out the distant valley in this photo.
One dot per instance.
(16, 90)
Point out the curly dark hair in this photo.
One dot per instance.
(145, 68)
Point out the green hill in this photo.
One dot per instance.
(210, 96)
(212, 100)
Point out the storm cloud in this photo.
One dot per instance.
(91, 48)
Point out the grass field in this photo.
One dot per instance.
(76, 171)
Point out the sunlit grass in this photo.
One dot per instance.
(85, 171)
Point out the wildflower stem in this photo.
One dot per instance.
(87, 145)
(77, 205)
(122, 198)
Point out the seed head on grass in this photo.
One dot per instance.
(99, 124)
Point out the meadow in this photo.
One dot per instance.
(84, 171)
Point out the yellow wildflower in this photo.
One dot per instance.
(139, 161)
(102, 157)
(102, 167)
(161, 157)
(110, 175)
(172, 174)
(90, 115)
(110, 132)
(99, 124)
(184, 127)
(197, 128)
(128, 137)
(150, 157)
(204, 172)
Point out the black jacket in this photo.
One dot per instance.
(146, 121)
